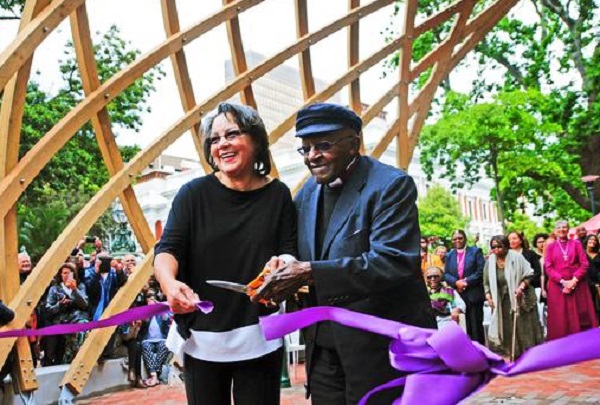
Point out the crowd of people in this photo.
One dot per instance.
(538, 294)
(81, 290)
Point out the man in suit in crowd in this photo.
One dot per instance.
(358, 244)
(464, 272)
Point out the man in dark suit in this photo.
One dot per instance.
(464, 272)
(358, 244)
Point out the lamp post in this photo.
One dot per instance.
(589, 185)
(122, 243)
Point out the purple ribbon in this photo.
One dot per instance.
(446, 359)
(133, 314)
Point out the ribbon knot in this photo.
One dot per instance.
(446, 363)
(458, 352)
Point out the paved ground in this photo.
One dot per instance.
(567, 385)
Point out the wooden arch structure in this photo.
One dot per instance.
(40, 17)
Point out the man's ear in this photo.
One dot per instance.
(356, 142)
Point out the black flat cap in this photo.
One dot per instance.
(318, 118)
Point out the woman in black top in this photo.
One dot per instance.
(591, 246)
(227, 226)
(519, 244)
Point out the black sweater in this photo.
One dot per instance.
(218, 233)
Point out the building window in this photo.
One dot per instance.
(470, 210)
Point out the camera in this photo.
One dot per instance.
(90, 239)
(104, 263)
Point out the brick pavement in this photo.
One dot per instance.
(567, 385)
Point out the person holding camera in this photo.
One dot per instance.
(67, 302)
(102, 284)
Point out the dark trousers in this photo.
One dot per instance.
(134, 355)
(254, 382)
(334, 383)
(474, 318)
(54, 350)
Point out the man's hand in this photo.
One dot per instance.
(461, 285)
(98, 244)
(181, 297)
(284, 281)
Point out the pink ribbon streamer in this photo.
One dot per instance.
(446, 363)
(133, 314)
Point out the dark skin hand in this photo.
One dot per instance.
(284, 282)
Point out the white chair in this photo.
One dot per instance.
(293, 348)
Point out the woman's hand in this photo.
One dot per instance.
(544, 293)
(455, 314)
(181, 297)
(520, 290)
(569, 285)
(490, 302)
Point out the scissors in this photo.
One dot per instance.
(249, 290)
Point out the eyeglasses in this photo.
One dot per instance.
(433, 277)
(321, 146)
(230, 136)
(458, 238)
(496, 247)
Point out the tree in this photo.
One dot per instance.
(11, 9)
(558, 55)
(505, 140)
(39, 225)
(524, 224)
(439, 213)
(77, 171)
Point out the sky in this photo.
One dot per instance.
(266, 29)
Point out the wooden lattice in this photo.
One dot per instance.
(40, 17)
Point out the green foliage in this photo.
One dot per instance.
(557, 56)
(11, 9)
(439, 213)
(40, 224)
(509, 140)
(521, 222)
(77, 171)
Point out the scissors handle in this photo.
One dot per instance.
(255, 284)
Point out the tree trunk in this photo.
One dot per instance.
(494, 157)
(590, 164)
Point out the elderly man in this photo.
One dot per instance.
(358, 244)
(581, 234)
(24, 266)
(129, 263)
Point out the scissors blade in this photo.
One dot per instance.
(229, 285)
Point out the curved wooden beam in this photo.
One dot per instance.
(11, 119)
(406, 54)
(353, 59)
(32, 163)
(182, 76)
(21, 49)
(101, 123)
(306, 75)
(238, 57)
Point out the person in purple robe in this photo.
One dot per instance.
(570, 305)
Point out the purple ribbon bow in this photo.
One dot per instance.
(446, 359)
(133, 314)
